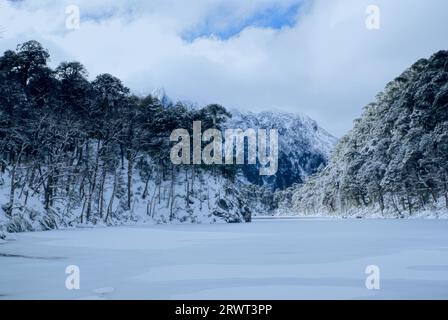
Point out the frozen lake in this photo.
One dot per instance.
(267, 259)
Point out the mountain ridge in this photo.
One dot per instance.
(303, 145)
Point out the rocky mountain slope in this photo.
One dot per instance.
(303, 147)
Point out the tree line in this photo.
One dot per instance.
(63, 137)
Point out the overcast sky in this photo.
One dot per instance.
(309, 56)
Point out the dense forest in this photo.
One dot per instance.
(77, 151)
(394, 162)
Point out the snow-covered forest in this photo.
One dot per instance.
(394, 162)
(76, 152)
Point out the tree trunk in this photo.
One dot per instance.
(145, 192)
(152, 204)
(111, 201)
(47, 191)
(101, 193)
(171, 197)
(12, 190)
(122, 156)
(93, 183)
(187, 189)
(130, 166)
(381, 200)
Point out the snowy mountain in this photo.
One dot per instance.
(394, 162)
(303, 146)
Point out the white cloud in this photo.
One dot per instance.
(328, 65)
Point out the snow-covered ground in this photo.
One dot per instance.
(266, 259)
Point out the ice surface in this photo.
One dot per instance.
(267, 259)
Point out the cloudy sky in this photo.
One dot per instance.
(310, 56)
